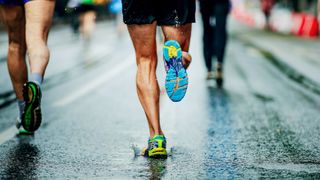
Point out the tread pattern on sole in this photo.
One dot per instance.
(31, 117)
(177, 78)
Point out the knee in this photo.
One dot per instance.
(146, 61)
(17, 44)
(144, 58)
(146, 65)
(37, 45)
(35, 40)
(146, 71)
(37, 36)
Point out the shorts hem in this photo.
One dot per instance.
(160, 23)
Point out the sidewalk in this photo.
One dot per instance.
(298, 58)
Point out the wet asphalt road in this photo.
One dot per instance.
(261, 125)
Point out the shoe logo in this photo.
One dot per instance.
(153, 145)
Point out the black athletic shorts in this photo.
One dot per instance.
(165, 12)
(85, 8)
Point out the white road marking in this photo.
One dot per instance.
(109, 75)
(8, 134)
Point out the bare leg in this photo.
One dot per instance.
(87, 21)
(13, 18)
(181, 34)
(144, 42)
(38, 21)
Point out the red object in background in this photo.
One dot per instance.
(243, 16)
(305, 25)
(298, 23)
(311, 26)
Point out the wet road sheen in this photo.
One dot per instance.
(261, 125)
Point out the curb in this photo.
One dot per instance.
(290, 72)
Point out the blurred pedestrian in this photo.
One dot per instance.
(175, 18)
(87, 15)
(214, 18)
(266, 7)
(115, 7)
(27, 23)
(71, 10)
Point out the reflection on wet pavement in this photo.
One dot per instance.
(22, 160)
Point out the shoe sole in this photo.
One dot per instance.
(22, 131)
(31, 94)
(177, 78)
(158, 153)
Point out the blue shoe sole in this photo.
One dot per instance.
(177, 78)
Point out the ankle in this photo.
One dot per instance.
(156, 134)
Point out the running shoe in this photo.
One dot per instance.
(21, 130)
(219, 75)
(210, 75)
(177, 77)
(31, 116)
(156, 147)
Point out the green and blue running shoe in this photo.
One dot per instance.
(177, 77)
(31, 116)
(156, 147)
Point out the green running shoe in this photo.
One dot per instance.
(156, 147)
(21, 130)
(31, 116)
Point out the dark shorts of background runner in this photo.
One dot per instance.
(85, 8)
(13, 2)
(165, 12)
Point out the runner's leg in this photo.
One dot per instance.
(13, 18)
(87, 20)
(182, 34)
(207, 34)
(144, 41)
(38, 21)
(220, 33)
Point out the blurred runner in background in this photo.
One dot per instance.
(115, 7)
(175, 18)
(72, 11)
(214, 18)
(27, 23)
(266, 6)
(87, 15)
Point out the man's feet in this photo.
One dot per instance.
(177, 77)
(219, 75)
(156, 147)
(31, 116)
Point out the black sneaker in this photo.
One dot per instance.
(219, 75)
(31, 116)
